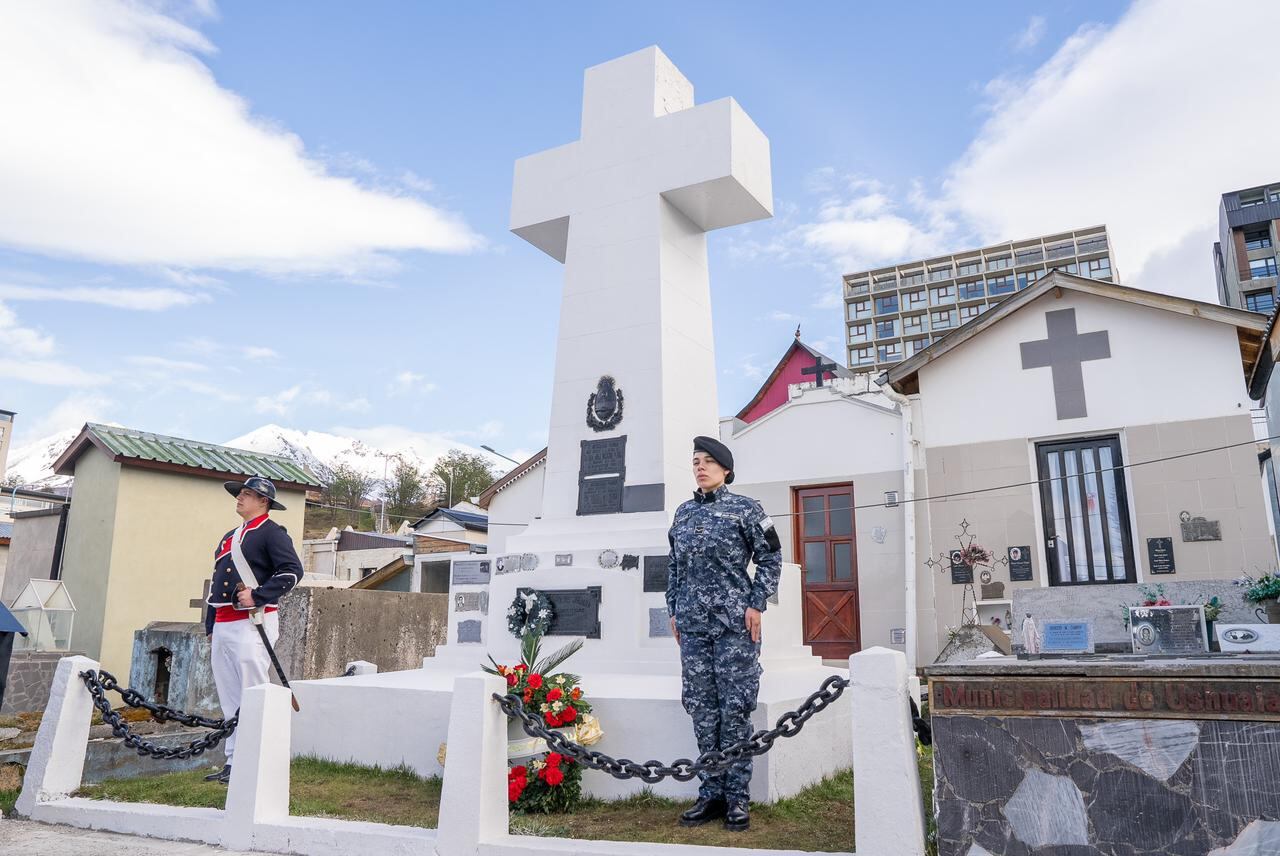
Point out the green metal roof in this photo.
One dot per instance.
(143, 446)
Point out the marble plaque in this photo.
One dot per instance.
(471, 572)
(1066, 637)
(564, 560)
(659, 623)
(469, 631)
(1241, 638)
(655, 573)
(471, 601)
(1168, 629)
(577, 611)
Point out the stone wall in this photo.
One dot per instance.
(1101, 605)
(30, 674)
(190, 673)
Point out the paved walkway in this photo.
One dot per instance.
(27, 838)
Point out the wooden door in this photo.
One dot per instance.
(827, 553)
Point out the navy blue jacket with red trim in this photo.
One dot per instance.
(272, 560)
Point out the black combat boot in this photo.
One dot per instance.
(222, 777)
(738, 817)
(705, 809)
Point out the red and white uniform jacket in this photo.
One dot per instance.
(272, 561)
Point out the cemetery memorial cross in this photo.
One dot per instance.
(819, 368)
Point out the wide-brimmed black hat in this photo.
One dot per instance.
(257, 484)
(718, 451)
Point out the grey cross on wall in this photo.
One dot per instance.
(1063, 353)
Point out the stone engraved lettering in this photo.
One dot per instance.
(601, 495)
(1020, 564)
(1160, 555)
(471, 572)
(655, 573)
(576, 611)
(469, 631)
(1168, 629)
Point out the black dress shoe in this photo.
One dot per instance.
(223, 776)
(705, 809)
(737, 818)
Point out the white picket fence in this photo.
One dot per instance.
(888, 813)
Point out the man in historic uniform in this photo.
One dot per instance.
(254, 565)
(715, 609)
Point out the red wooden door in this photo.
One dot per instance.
(827, 553)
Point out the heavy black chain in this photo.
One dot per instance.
(99, 683)
(350, 672)
(683, 769)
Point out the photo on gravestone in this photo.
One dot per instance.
(1160, 555)
(655, 573)
(471, 572)
(575, 612)
(961, 573)
(1168, 629)
(1020, 564)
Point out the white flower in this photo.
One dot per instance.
(559, 679)
(545, 708)
(558, 706)
(538, 765)
(542, 613)
(511, 611)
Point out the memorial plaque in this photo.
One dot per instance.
(1020, 564)
(603, 457)
(471, 572)
(564, 560)
(469, 631)
(961, 574)
(1066, 637)
(1200, 529)
(528, 561)
(1248, 638)
(1168, 629)
(659, 623)
(630, 561)
(655, 573)
(1160, 555)
(993, 591)
(600, 495)
(576, 611)
(471, 601)
(897, 636)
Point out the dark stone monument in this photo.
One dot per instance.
(576, 611)
(1168, 629)
(1160, 555)
(655, 573)
(470, 572)
(1020, 564)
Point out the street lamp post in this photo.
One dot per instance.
(499, 454)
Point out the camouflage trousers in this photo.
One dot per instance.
(720, 676)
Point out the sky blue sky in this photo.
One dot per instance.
(142, 279)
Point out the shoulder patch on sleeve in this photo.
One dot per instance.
(770, 533)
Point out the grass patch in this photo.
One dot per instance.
(7, 799)
(818, 819)
(316, 789)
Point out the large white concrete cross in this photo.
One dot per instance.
(627, 208)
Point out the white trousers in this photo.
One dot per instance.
(240, 661)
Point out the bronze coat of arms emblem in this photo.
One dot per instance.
(604, 406)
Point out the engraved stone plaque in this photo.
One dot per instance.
(564, 560)
(1020, 564)
(577, 611)
(659, 623)
(1200, 529)
(655, 573)
(1168, 629)
(471, 572)
(1160, 555)
(961, 574)
(471, 601)
(602, 495)
(604, 457)
(602, 471)
(1066, 637)
(469, 631)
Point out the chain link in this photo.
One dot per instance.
(100, 683)
(350, 672)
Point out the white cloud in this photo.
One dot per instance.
(1030, 35)
(165, 365)
(121, 147)
(258, 352)
(148, 299)
(22, 341)
(779, 315)
(25, 356)
(407, 382)
(71, 412)
(287, 400)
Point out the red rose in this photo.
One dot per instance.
(552, 719)
(528, 696)
(520, 667)
(535, 680)
(515, 789)
(575, 694)
(568, 714)
(512, 680)
(554, 759)
(554, 694)
(553, 776)
(517, 773)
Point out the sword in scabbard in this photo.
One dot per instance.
(256, 618)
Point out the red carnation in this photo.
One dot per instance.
(528, 696)
(554, 694)
(520, 667)
(512, 680)
(568, 714)
(515, 789)
(535, 680)
(552, 776)
(554, 759)
(552, 719)
(518, 773)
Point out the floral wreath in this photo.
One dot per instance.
(529, 612)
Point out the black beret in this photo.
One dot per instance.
(718, 451)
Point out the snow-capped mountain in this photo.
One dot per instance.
(315, 450)
(33, 463)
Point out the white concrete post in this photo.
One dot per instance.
(259, 789)
(363, 667)
(57, 759)
(473, 805)
(888, 812)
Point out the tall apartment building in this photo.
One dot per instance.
(6, 432)
(1244, 256)
(893, 312)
